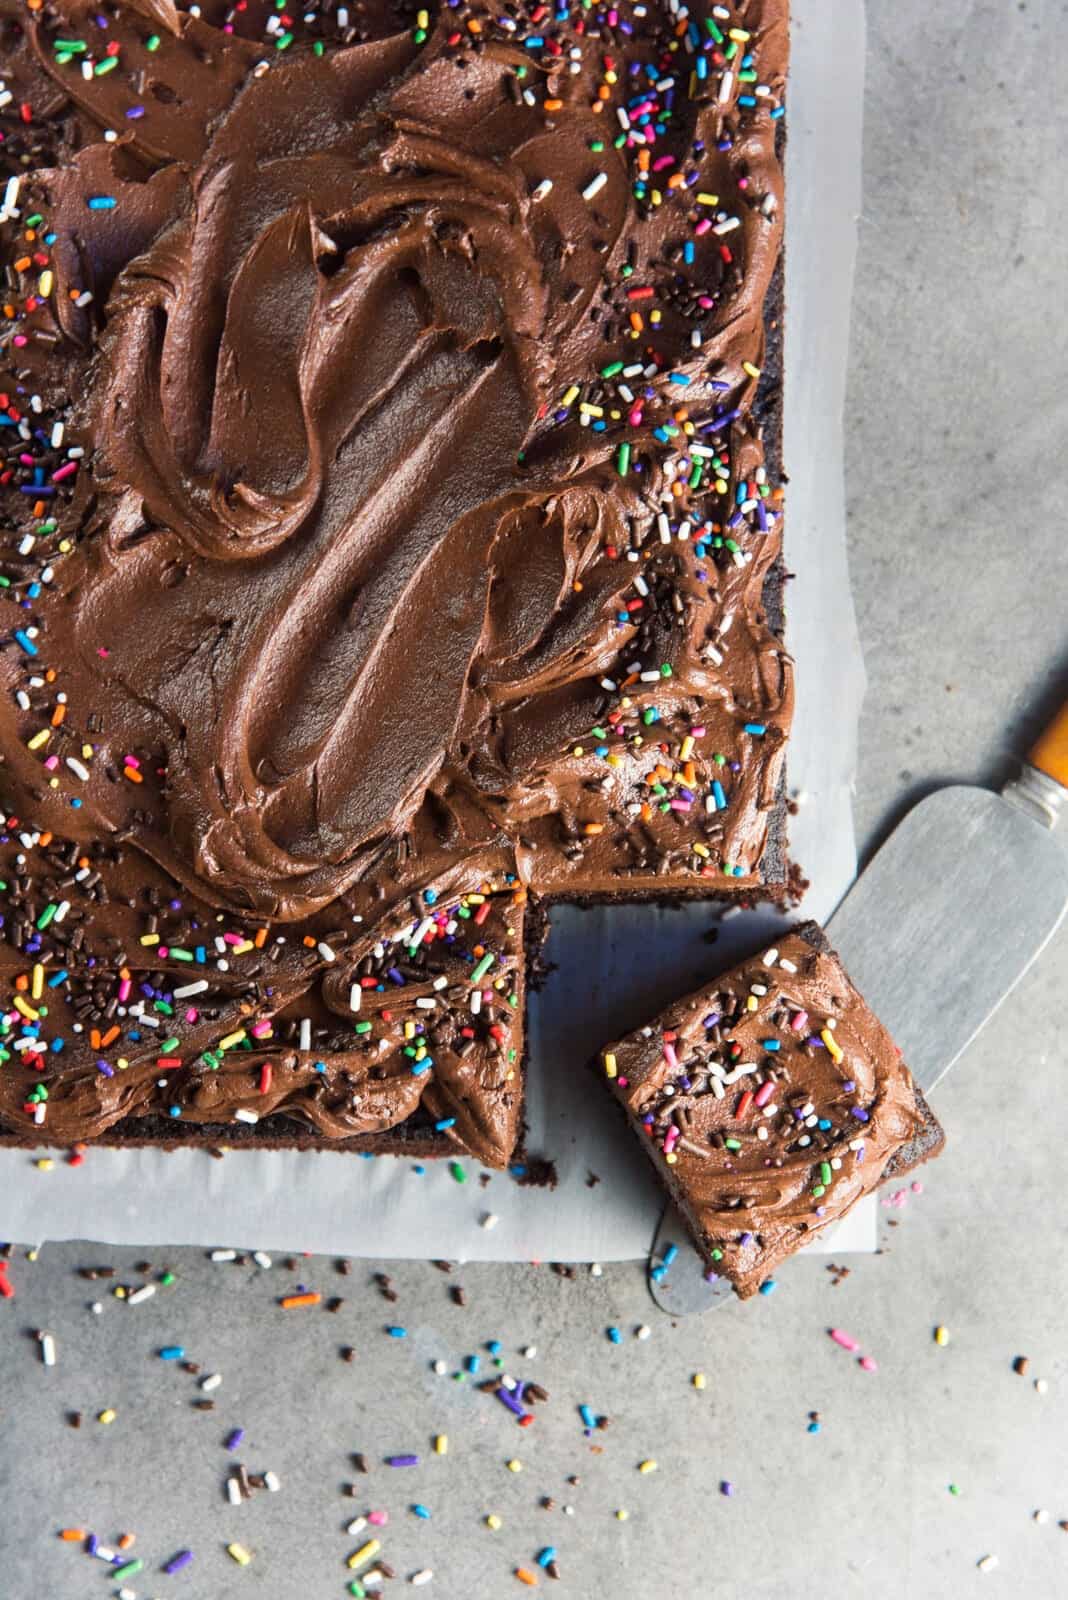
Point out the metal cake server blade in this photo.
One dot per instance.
(939, 928)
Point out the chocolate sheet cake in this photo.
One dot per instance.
(389, 418)
(769, 1103)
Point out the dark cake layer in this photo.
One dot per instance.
(769, 1103)
(386, 404)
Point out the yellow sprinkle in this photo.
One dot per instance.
(671, 1158)
(409, 1030)
(44, 1164)
(514, 1465)
(31, 1255)
(621, 1515)
(44, 284)
(238, 1553)
(698, 1380)
(422, 19)
(37, 983)
(701, 850)
(751, 1003)
(232, 1039)
(570, 394)
(493, 1521)
(747, 366)
(708, 199)
(941, 1335)
(39, 739)
(647, 1466)
(613, 761)
(106, 1416)
(687, 748)
(150, 938)
(364, 1553)
(611, 1066)
(588, 410)
(27, 1010)
(739, 34)
(441, 1444)
(832, 1044)
(244, 947)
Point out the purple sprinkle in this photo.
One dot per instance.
(858, 1112)
(726, 1487)
(745, 1238)
(106, 1069)
(176, 1563)
(90, 1544)
(712, 1018)
(511, 1402)
(402, 1461)
(234, 1439)
(134, 112)
(849, 1086)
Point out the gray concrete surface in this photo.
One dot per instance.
(956, 434)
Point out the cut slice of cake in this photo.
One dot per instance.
(770, 1102)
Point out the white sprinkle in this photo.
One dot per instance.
(304, 1040)
(441, 1367)
(476, 1002)
(426, 1002)
(419, 1578)
(357, 1525)
(490, 1220)
(48, 1349)
(771, 956)
(726, 87)
(262, 1259)
(97, 1308)
(728, 225)
(642, 1332)
(11, 194)
(1041, 1385)
(233, 1491)
(596, 1270)
(788, 966)
(242, 1115)
(545, 187)
(987, 1564)
(609, 684)
(146, 1291)
(271, 1482)
(595, 185)
(529, 1352)
(212, 1381)
(187, 990)
(1041, 1517)
(325, 951)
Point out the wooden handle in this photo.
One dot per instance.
(1050, 752)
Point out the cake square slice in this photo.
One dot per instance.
(770, 1102)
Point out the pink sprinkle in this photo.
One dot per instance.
(663, 161)
(698, 730)
(843, 1339)
(635, 417)
(765, 1092)
(868, 1364)
(916, 1186)
(232, 938)
(52, 763)
(669, 1055)
(191, 1014)
(163, 951)
(124, 990)
(65, 471)
(669, 1139)
(378, 1518)
(622, 1082)
(260, 1029)
(702, 227)
(681, 805)
(799, 1020)
(132, 761)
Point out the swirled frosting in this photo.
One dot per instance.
(402, 501)
(770, 1101)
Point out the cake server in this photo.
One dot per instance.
(938, 929)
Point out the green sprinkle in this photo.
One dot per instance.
(71, 47)
(733, 1144)
(108, 64)
(363, 1027)
(458, 1172)
(825, 1172)
(167, 1278)
(597, 145)
(623, 459)
(167, 1046)
(713, 30)
(954, 1488)
(152, 42)
(483, 967)
(665, 670)
(128, 1568)
(283, 41)
(46, 915)
(612, 368)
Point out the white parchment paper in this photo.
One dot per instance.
(616, 965)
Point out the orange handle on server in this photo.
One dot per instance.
(1050, 752)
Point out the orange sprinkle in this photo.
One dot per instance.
(22, 983)
(45, 840)
(109, 1037)
(526, 1577)
(593, 827)
(636, 321)
(72, 1535)
(604, 92)
(554, 105)
(127, 1540)
(58, 714)
(474, 25)
(23, 263)
(309, 941)
(260, 938)
(291, 1301)
(133, 774)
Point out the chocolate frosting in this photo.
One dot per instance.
(770, 1101)
(373, 580)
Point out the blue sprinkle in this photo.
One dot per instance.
(172, 1352)
(718, 795)
(472, 1364)
(669, 1254)
(614, 1335)
(770, 1044)
(174, 1111)
(588, 1417)
(756, 728)
(101, 202)
(397, 1332)
(446, 1122)
(25, 641)
(544, 1557)
(769, 1286)
(422, 1511)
